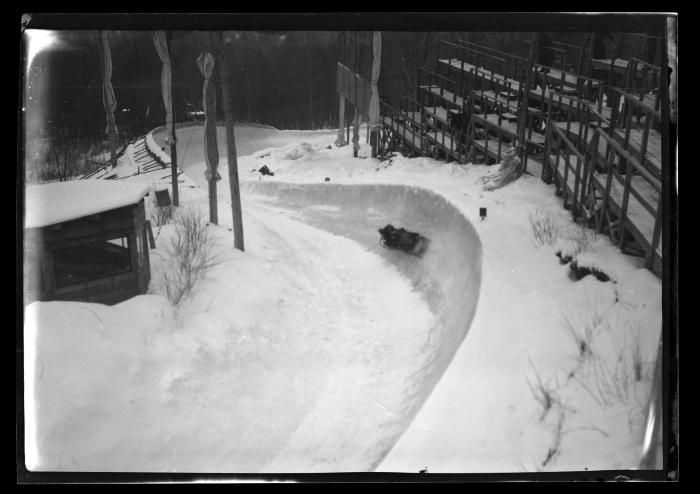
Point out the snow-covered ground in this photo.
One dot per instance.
(317, 350)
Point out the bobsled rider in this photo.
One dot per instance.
(399, 238)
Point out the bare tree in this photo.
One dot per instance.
(63, 159)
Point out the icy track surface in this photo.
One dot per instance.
(447, 278)
(326, 380)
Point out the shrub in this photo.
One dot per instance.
(555, 448)
(582, 238)
(544, 227)
(582, 332)
(583, 319)
(542, 392)
(611, 379)
(189, 255)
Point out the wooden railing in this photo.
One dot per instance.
(643, 76)
(560, 150)
(401, 126)
(622, 195)
(623, 168)
(515, 67)
(448, 89)
(574, 52)
(636, 124)
(476, 67)
(491, 138)
(601, 157)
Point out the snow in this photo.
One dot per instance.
(156, 149)
(48, 204)
(317, 350)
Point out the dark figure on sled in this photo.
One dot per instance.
(402, 239)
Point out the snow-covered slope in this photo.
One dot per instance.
(313, 350)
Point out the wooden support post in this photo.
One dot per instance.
(213, 206)
(173, 144)
(356, 134)
(591, 53)
(522, 123)
(236, 212)
(149, 231)
(374, 142)
(356, 124)
(341, 121)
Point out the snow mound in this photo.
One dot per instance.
(602, 260)
(303, 150)
(85, 362)
(566, 248)
(290, 152)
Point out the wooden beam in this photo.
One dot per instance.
(522, 124)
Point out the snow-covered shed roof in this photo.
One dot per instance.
(49, 204)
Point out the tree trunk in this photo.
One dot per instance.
(236, 213)
(173, 144)
(309, 79)
(340, 140)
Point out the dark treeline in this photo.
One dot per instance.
(283, 79)
(286, 80)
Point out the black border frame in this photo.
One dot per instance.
(389, 21)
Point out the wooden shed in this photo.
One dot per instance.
(85, 240)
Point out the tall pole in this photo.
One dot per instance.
(206, 62)
(522, 124)
(356, 123)
(247, 73)
(173, 139)
(236, 212)
(374, 116)
(309, 78)
(161, 39)
(340, 140)
(108, 98)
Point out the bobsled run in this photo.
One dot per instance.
(334, 343)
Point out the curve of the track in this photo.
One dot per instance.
(447, 276)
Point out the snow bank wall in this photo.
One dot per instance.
(249, 139)
(448, 275)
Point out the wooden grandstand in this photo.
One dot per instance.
(591, 126)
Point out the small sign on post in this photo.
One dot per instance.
(163, 198)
